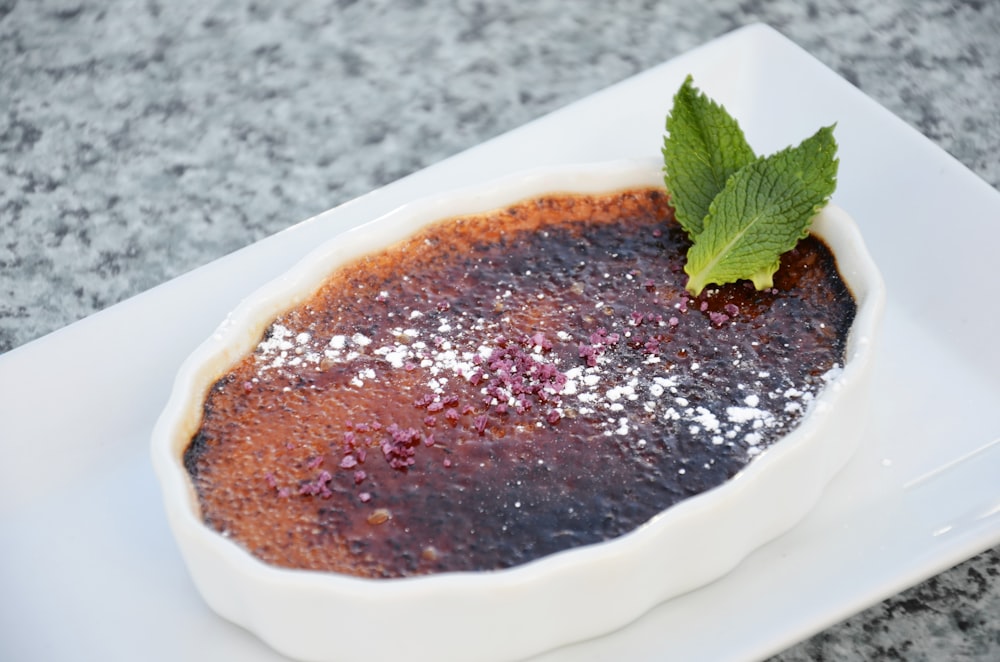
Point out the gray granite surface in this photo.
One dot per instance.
(140, 139)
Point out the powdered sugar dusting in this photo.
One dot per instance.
(569, 374)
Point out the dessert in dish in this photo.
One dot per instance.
(507, 385)
(465, 615)
(582, 367)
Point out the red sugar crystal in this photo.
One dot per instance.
(718, 319)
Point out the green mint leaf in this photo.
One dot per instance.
(763, 211)
(703, 147)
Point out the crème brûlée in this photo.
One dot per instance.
(504, 386)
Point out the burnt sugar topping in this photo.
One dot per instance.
(504, 386)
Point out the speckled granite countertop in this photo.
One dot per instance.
(140, 139)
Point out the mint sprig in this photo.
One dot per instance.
(741, 212)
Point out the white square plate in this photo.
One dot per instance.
(87, 564)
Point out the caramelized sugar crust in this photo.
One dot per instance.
(505, 386)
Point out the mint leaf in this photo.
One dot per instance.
(703, 148)
(763, 211)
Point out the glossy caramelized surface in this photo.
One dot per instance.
(504, 386)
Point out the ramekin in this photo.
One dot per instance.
(555, 600)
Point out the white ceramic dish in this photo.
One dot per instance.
(919, 495)
(594, 589)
